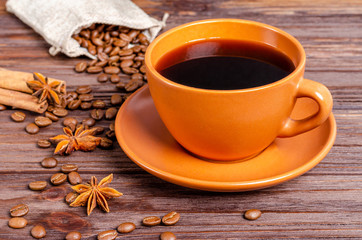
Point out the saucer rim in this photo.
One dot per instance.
(217, 186)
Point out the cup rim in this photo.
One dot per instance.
(292, 75)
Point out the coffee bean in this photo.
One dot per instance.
(108, 48)
(136, 49)
(126, 52)
(114, 33)
(126, 227)
(151, 221)
(74, 104)
(98, 104)
(86, 97)
(94, 69)
(60, 112)
(2, 107)
(81, 66)
(58, 178)
(18, 116)
(133, 33)
(84, 43)
(97, 114)
(49, 162)
(113, 64)
(31, 128)
(90, 122)
(107, 235)
(72, 95)
(143, 69)
(85, 33)
(100, 27)
(129, 57)
(38, 185)
(111, 134)
(92, 49)
(17, 222)
(144, 42)
(252, 214)
(140, 57)
(93, 62)
(73, 236)
(86, 105)
(100, 49)
(136, 64)
(126, 63)
(94, 33)
(70, 121)
(116, 99)
(112, 70)
(97, 41)
(102, 56)
(137, 76)
(102, 63)
(74, 178)
(67, 168)
(171, 218)
(115, 51)
(111, 113)
(125, 37)
(98, 130)
(38, 231)
(111, 126)
(115, 78)
(131, 86)
(51, 116)
(120, 85)
(44, 143)
(113, 59)
(84, 89)
(41, 121)
(106, 143)
(19, 210)
(167, 236)
(129, 70)
(120, 43)
(102, 77)
(70, 197)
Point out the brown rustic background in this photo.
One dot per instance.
(324, 203)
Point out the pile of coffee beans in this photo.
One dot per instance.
(118, 50)
(83, 99)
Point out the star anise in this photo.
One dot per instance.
(94, 193)
(43, 89)
(82, 139)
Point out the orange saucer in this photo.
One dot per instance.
(144, 138)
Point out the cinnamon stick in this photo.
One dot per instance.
(22, 100)
(14, 80)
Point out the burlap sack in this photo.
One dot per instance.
(57, 20)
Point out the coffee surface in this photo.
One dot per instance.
(224, 64)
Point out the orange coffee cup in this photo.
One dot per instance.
(233, 124)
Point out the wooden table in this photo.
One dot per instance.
(326, 202)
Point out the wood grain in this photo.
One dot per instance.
(325, 203)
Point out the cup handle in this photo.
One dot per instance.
(319, 93)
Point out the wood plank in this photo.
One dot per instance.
(324, 203)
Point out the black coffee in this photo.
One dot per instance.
(225, 64)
